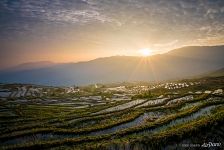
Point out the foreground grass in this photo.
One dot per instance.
(159, 140)
(126, 132)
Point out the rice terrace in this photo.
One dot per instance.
(113, 116)
(111, 74)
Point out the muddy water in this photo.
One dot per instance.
(152, 102)
(202, 112)
(121, 107)
(177, 100)
(51, 136)
(138, 121)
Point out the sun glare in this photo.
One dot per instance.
(145, 52)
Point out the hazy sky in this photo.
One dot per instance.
(74, 30)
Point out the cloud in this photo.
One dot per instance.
(166, 44)
(77, 16)
(159, 21)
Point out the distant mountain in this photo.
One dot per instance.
(176, 64)
(31, 65)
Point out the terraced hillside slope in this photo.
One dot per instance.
(167, 115)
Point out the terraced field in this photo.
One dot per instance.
(164, 122)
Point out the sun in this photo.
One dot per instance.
(145, 52)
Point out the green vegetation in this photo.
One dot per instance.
(144, 95)
(73, 121)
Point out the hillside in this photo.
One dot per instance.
(176, 64)
(30, 65)
(217, 73)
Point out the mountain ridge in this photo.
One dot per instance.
(176, 64)
(30, 65)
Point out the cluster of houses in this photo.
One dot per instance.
(118, 93)
(171, 85)
(218, 92)
(143, 88)
(71, 90)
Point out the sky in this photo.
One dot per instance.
(80, 30)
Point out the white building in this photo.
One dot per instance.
(218, 91)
